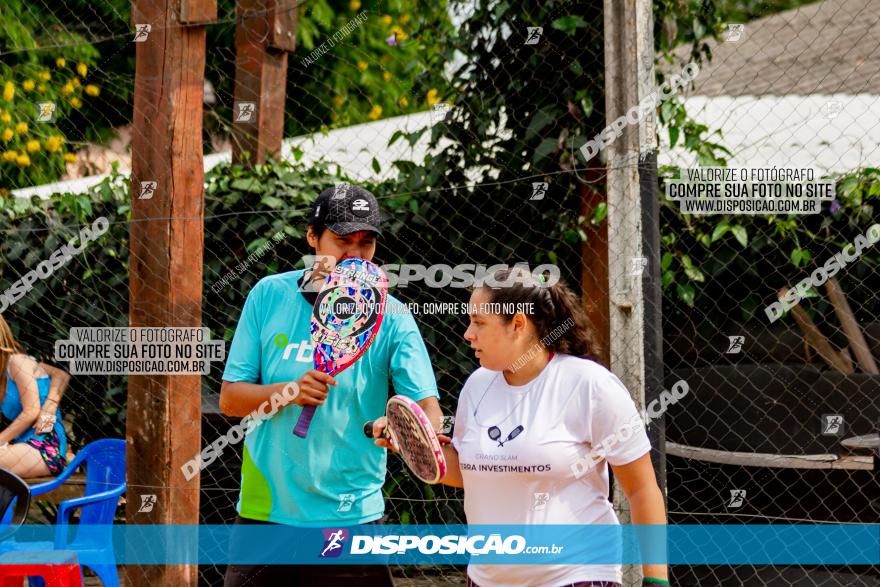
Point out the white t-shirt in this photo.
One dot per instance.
(569, 408)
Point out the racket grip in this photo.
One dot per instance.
(368, 429)
(305, 419)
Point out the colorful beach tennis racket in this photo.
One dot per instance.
(345, 320)
(410, 431)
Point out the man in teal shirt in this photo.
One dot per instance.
(334, 476)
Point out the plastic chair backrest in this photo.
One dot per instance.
(13, 487)
(105, 470)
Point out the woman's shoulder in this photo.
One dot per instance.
(23, 364)
(480, 378)
(581, 367)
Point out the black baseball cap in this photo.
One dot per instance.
(346, 209)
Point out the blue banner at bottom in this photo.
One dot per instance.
(852, 544)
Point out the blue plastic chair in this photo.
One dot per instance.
(105, 482)
(15, 499)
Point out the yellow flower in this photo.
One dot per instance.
(398, 33)
(75, 81)
(404, 18)
(354, 4)
(28, 85)
(5, 117)
(23, 160)
(10, 155)
(21, 128)
(338, 101)
(76, 102)
(53, 143)
(67, 88)
(92, 90)
(386, 20)
(70, 157)
(433, 98)
(81, 69)
(32, 146)
(386, 75)
(362, 65)
(61, 62)
(8, 91)
(8, 134)
(375, 113)
(41, 88)
(44, 75)
(403, 101)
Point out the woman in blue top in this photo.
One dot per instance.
(33, 443)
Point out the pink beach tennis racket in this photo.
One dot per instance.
(345, 320)
(411, 433)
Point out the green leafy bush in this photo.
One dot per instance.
(712, 262)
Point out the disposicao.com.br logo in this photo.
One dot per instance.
(444, 545)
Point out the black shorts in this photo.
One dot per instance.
(305, 575)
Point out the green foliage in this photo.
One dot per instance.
(45, 64)
(35, 151)
(741, 11)
(360, 78)
(712, 261)
(92, 288)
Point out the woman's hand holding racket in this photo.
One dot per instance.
(383, 438)
(411, 435)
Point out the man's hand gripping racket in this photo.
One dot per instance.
(410, 432)
(345, 320)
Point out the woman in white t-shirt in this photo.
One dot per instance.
(536, 425)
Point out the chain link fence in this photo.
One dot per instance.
(776, 394)
(478, 162)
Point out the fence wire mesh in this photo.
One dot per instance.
(467, 122)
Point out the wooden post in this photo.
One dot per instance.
(594, 268)
(264, 34)
(165, 267)
(633, 222)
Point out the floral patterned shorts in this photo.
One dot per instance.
(50, 450)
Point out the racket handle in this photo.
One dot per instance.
(305, 419)
(368, 431)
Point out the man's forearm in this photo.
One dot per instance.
(241, 398)
(431, 407)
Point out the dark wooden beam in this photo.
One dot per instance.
(265, 33)
(594, 266)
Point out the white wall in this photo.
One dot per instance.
(788, 131)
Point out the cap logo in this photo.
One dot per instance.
(360, 205)
(318, 211)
